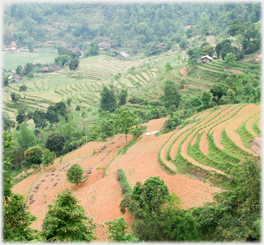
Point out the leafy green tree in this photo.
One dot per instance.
(208, 50)
(8, 124)
(55, 142)
(74, 64)
(206, 98)
(39, 118)
(61, 60)
(75, 174)
(230, 94)
(229, 61)
(17, 220)
(19, 70)
(33, 155)
(218, 91)
(117, 231)
(26, 137)
(47, 158)
(28, 68)
(108, 99)
(183, 43)
(7, 177)
(122, 96)
(23, 89)
(94, 49)
(124, 121)
(171, 97)
(168, 67)
(65, 221)
(15, 97)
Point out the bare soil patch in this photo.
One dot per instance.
(183, 71)
(210, 38)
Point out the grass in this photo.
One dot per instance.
(41, 55)
(126, 188)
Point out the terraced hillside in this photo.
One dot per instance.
(190, 160)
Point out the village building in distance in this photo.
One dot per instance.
(122, 55)
(105, 45)
(206, 59)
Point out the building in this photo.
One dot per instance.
(206, 59)
(122, 55)
(14, 78)
(75, 49)
(161, 45)
(50, 68)
(105, 45)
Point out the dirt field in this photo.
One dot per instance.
(101, 196)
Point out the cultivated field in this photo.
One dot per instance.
(189, 160)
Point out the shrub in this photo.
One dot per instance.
(33, 155)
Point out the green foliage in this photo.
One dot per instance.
(171, 97)
(126, 188)
(229, 60)
(168, 67)
(117, 231)
(15, 97)
(39, 118)
(26, 137)
(108, 99)
(65, 221)
(122, 96)
(74, 64)
(75, 174)
(47, 158)
(33, 155)
(55, 142)
(61, 60)
(124, 120)
(94, 49)
(17, 220)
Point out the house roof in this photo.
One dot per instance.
(125, 55)
(207, 56)
(55, 67)
(17, 76)
(105, 44)
(161, 45)
(75, 49)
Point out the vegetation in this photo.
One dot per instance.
(74, 174)
(95, 96)
(71, 223)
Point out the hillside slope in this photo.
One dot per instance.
(101, 196)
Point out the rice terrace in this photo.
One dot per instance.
(132, 122)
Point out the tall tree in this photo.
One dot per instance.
(108, 99)
(65, 221)
(23, 89)
(171, 97)
(124, 121)
(55, 143)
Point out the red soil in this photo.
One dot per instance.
(217, 131)
(183, 71)
(235, 124)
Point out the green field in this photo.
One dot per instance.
(41, 55)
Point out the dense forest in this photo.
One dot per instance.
(40, 134)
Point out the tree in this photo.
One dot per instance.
(108, 99)
(122, 97)
(47, 158)
(26, 137)
(117, 231)
(168, 67)
(19, 70)
(208, 50)
(74, 64)
(183, 43)
(17, 220)
(75, 174)
(33, 155)
(124, 121)
(61, 60)
(8, 124)
(55, 142)
(171, 97)
(39, 118)
(206, 98)
(218, 91)
(23, 89)
(94, 49)
(28, 68)
(229, 61)
(15, 97)
(65, 221)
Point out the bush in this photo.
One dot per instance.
(33, 155)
